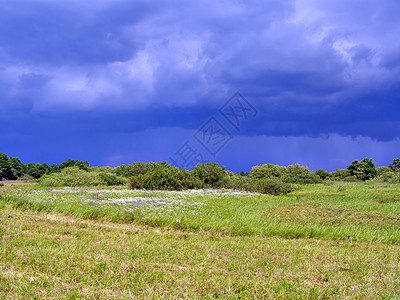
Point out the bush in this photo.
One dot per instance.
(302, 178)
(110, 179)
(383, 170)
(72, 176)
(137, 182)
(268, 171)
(352, 178)
(363, 170)
(339, 174)
(210, 173)
(322, 173)
(189, 180)
(233, 181)
(165, 178)
(270, 186)
(390, 177)
(138, 168)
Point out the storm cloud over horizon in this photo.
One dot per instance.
(120, 81)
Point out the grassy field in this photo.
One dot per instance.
(322, 241)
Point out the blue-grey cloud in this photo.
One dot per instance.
(311, 68)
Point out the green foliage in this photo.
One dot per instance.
(363, 170)
(138, 168)
(270, 186)
(137, 182)
(82, 165)
(73, 176)
(189, 180)
(351, 178)
(339, 174)
(388, 174)
(234, 181)
(36, 170)
(5, 168)
(300, 174)
(395, 165)
(383, 170)
(322, 173)
(210, 173)
(268, 171)
(17, 167)
(110, 179)
(165, 178)
(243, 173)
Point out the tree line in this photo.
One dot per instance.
(266, 178)
(11, 168)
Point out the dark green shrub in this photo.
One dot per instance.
(300, 174)
(17, 167)
(302, 178)
(165, 178)
(5, 168)
(388, 176)
(352, 178)
(189, 180)
(363, 170)
(210, 173)
(138, 168)
(339, 175)
(234, 182)
(72, 176)
(110, 179)
(395, 165)
(322, 173)
(137, 182)
(270, 186)
(268, 171)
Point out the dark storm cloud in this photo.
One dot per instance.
(55, 33)
(311, 68)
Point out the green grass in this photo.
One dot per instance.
(320, 242)
(360, 212)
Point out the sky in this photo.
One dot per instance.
(241, 83)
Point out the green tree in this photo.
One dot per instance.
(165, 178)
(268, 171)
(300, 174)
(36, 170)
(363, 170)
(5, 168)
(395, 165)
(83, 165)
(243, 173)
(340, 174)
(322, 173)
(17, 167)
(210, 173)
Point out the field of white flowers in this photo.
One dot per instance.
(154, 207)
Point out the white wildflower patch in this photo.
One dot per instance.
(142, 204)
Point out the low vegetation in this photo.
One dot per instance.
(322, 241)
(360, 212)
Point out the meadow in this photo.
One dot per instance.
(321, 241)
